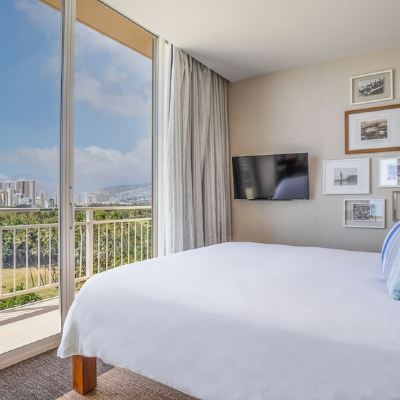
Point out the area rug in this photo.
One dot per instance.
(119, 384)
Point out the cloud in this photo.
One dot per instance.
(91, 43)
(95, 167)
(35, 158)
(98, 167)
(109, 95)
(32, 163)
(109, 76)
(40, 14)
(48, 21)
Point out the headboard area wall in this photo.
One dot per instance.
(302, 110)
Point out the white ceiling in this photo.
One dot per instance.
(241, 39)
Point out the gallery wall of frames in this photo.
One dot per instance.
(367, 130)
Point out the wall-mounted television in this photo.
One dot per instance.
(271, 177)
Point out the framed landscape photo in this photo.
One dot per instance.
(364, 213)
(389, 172)
(372, 130)
(346, 176)
(373, 87)
(395, 205)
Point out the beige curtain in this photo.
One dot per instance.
(197, 157)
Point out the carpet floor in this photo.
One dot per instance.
(44, 377)
(47, 377)
(119, 384)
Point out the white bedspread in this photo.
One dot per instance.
(246, 321)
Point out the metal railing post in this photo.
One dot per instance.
(138, 247)
(89, 243)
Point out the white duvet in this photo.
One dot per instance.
(246, 321)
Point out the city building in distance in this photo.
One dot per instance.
(22, 193)
(17, 193)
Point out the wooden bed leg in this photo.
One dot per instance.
(84, 375)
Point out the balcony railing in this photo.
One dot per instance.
(105, 237)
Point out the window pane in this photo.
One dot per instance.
(113, 152)
(29, 133)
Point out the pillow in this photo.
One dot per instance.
(391, 242)
(391, 261)
(393, 282)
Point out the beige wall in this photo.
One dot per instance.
(302, 110)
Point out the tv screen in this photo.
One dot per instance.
(274, 177)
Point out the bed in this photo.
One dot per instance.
(244, 321)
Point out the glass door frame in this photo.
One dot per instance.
(66, 159)
(66, 215)
(67, 9)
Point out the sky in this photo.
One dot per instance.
(112, 102)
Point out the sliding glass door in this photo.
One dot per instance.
(113, 141)
(29, 135)
(76, 191)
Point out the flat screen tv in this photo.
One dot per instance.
(273, 177)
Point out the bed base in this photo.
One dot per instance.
(84, 374)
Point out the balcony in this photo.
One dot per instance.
(105, 238)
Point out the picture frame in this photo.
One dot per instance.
(372, 87)
(389, 172)
(395, 205)
(364, 213)
(346, 176)
(372, 130)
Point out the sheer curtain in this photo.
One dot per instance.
(197, 189)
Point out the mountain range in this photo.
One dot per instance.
(137, 194)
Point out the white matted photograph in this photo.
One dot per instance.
(389, 172)
(364, 213)
(373, 87)
(346, 176)
(372, 130)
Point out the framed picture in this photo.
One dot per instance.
(372, 130)
(364, 213)
(395, 205)
(346, 176)
(389, 172)
(369, 88)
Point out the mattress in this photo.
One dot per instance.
(246, 321)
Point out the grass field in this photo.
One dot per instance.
(28, 278)
(7, 276)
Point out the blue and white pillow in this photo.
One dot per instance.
(391, 261)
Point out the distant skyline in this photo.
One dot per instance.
(112, 107)
(23, 193)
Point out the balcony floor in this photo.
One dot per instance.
(27, 324)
